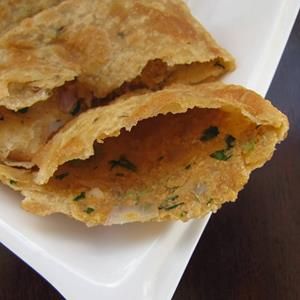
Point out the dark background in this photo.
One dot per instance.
(249, 250)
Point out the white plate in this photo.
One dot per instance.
(146, 261)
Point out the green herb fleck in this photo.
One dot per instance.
(249, 146)
(168, 202)
(76, 109)
(23, 110)
(124, 163)
(209, 201)
(79, 197)
(12, 182)
(183, 214)
(209, 133)
(61, 176)
(188, 167)
(172, 206)
(230, 141)
(221, 155)
(226, 153)
(89, 210)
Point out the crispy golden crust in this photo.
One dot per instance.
(22, 133)
(152, 163)
(76, 139)
(103, 44)
(12, 12)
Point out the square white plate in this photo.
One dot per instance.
(146, 261)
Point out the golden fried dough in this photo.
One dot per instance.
(174, 154)
(22, 133)
(106, 45)
(12, 12)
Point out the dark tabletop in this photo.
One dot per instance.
(250, 249)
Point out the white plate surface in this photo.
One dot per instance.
(146, 261)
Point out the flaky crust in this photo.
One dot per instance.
(171, 173)
(12, 12)
(103, 44)
(22, 133)
(76, 139)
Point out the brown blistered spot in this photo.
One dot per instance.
(117, 10)
(90, 46)
(172, 24)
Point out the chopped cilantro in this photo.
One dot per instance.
(124, 163)
(249, 146)
(12, 182)
(209, 133)
(209, 201)
(221, 155)
(61, 176)
(171, 207)
(230, 141)
(23, 110)
(226, 153)
(168, 203)
(76, 109)
(89, 210)
(79, 197)
(183, 214)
